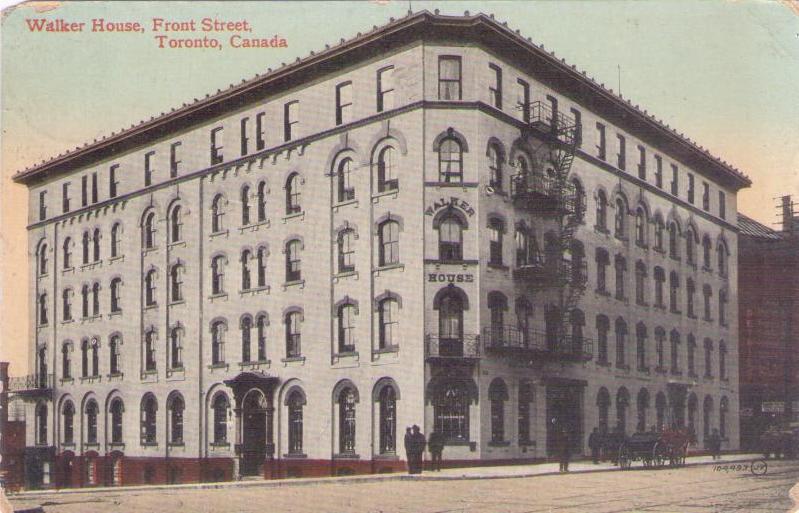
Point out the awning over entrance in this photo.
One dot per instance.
(247, 381)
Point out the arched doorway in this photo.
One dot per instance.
(253, 417)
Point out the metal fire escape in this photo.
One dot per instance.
(552, 194)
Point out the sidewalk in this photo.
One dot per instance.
(498, 472)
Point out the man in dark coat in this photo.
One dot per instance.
(436, 447)
(409, 449)
(418, 442)
(594, 443)
(564, 450)
(714, 444)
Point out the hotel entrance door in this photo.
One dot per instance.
(565, 411)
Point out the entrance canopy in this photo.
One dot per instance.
(247, 381)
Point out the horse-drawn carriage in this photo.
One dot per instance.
(654, 449)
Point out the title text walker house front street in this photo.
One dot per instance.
(258, 283)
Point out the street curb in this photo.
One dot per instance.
(337, 480)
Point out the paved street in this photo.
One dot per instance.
(698, 489)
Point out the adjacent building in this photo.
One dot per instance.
(434, 223)
(768, 302)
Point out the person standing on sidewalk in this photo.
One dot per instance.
(564, 450)
(418, 442)
(436, 446)
(409, 449)
(714, 444)
(594, 443)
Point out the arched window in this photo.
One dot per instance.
(494, 168)
(388, 319)
(708, 358)
(345, 317)
(149, 410)
(218, 274)
(707, 414)
(246, 330)
(640, 226)
(149, 288)
(640, 283)
(388, 420)
(690, 247)
(622, 403)
(603, 406)
(116, 295)
(261, 199)
(245, 205)
(450, 161)
(91, 422)
(345, 186)
(176, 348)
(674, 339)
(176, 407)
(218, 329)
(387, 179)
(660, 410)
(84, 358)
(643, 405)
(527, 253)
(723, 307)
(95, 349)
(621, 343)
(660, 278)
(724, 407)
(116, 234)
(602, 328)
(674, 292)
(293, 334)
(66, 360)
(496, 229)
(601, 211)
(691, 355)
(217, 214)
(246, 279)
(497, 305)
(346, 421)
(67, 251)
(295, 403)
(450, 318)
(149, 350)
(674, 241)
(450, 239)
(659, 233)
(114, 351)
(706, 245)
(43, 309)
(261, 263)
(721, 253)
(117, 409)
(451, 411)
(388, 233)
(95, 299)
(579, 201)
(497, 394)
(148, 231)
(640, 339)
(293, 194)
(690, 295)
(42, 260)
(620, 264)
(620, 225)
(220, 411)
(85, 243)
(293, 261)
(660, 339)
(68, 412)
(176, 283)
(346, 250)
(722, 360)
(175, 224)
(41, 424)
(96, 245)
(707, 293)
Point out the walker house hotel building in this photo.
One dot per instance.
(437, 222)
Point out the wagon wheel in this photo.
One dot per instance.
(659, 455)
(625, 458)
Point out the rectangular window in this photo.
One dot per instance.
(523, 99)
(42, 205)
(343, 103)
(578, 127)
(84, 191)
(94, 187)
(244, 138)
(705, 196)
(600, 145)
(659, 171)
(552, 120)
(260, 142)
(675, 180)
(174, 161)
(291, 117)
(691, 188)
(385, 88)
(112, 181)
(495, 88)
(449, 77)
(148, 168)
(641, 162)
(722, 205)
(622, 155)
(65, 197)
(216, 146)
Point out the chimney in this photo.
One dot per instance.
(787, 214)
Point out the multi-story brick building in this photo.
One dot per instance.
(435, 223)
(769, 297)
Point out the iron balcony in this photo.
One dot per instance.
(514, 341)
(463, 347)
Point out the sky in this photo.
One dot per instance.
(722, 72)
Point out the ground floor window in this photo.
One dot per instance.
(388, 420)
(346, 421)
(295, 403)
(451, 412)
